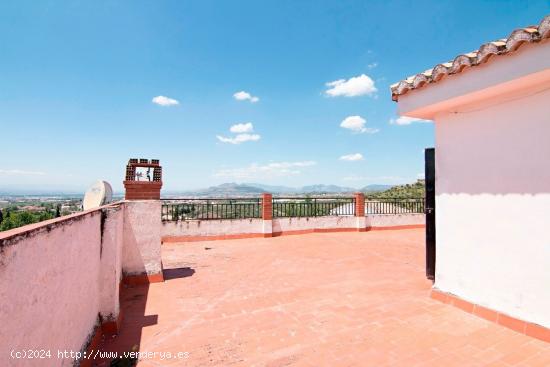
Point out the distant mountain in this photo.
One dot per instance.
(304, 189)
(275, 188)
(230, 189)
(376, 188)
(255, 189)
(327, 189)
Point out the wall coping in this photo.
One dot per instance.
(12, 236)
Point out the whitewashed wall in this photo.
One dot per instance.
(211, 227)
(301, 224)
(493, 205)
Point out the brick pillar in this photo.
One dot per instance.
(139, 187)
(267, 206)
(267, 214)
(359, 204)
(361, 220)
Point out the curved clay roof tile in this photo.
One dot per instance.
(440, 70)
(518, 37)
(544, 28)
(489, 49)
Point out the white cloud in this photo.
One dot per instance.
(242, 131)
(353, 87)
(357, 125)
(165, 101)
(242, 128)
(239, 138)
(245, 96)
(404, 120)
(274, 169)
(352, 157)
(18, 172)
(372, 65)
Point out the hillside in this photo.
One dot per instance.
(407, 191)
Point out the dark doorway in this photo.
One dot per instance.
(429, 174)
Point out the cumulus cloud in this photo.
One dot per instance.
(274, 169)
(352, 157)
(357, 125)
(19, 172)
(404, 120)
(165, 101)
(353, 87)
(242, 128)
(243, 134)
(239, 138)
(245, 96)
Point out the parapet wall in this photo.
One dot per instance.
(60, 279)
(54, 278)
(201, 230)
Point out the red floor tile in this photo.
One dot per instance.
(331, 299)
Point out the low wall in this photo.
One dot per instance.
(393, 221)
(52, 284)
(309, 224)
(60, 279)
(197, 230)
(192, 230)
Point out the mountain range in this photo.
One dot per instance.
(255, 189)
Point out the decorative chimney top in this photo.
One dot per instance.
(143, 179)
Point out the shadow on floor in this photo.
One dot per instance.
(133, 300)
(178, 273)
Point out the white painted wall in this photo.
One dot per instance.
(493, 205)
(395, 220)
(258, 226)
(300, 224)
(211, 227)
(142, 237)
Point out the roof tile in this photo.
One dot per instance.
(518, 37)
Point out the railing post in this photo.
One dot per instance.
(359, 204)
(361, 221)
(267, 214)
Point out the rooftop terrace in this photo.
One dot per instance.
(330, 299)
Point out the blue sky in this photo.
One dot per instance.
(78, 81)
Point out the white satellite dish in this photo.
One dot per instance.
(99, 194)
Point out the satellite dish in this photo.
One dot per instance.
(99, 194)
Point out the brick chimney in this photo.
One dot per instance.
(143, 179)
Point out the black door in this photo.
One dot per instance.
(429, 174)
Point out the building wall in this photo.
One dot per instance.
(493, 205)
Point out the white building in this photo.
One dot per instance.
(491, 109)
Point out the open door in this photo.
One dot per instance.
(429, 175)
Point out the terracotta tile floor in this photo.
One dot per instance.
(342, 299)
